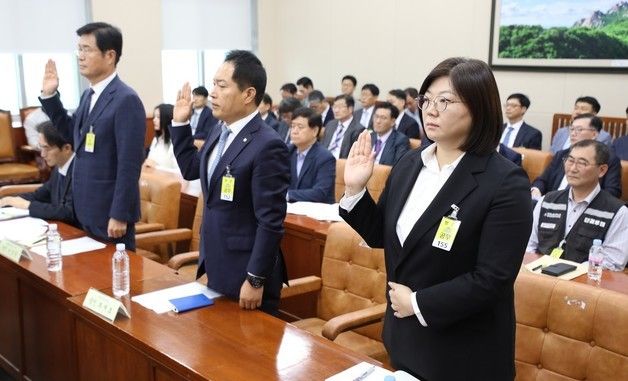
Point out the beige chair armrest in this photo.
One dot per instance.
(301, 286)
(163, 236)
(141, 227)
(11, 190)
(180, 260)
(352, 320)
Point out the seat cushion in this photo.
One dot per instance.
(349, 339)
(16, 171)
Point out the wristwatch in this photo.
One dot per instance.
(255, 281)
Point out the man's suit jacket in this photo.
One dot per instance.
(357, 114)
(242, 235)
(465, 295)
(620, 146)
(528, 137)
(281, 128)
(350, 136)
(317, 180)
(329, 116)
(562, 135)
(53, 200)
(105, 182)
(206, 122)
(396, 146)
(510, 154)
(409, 127)
(553, 175)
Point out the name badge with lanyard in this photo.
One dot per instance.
(557, 252)
(90, 140)
(446, 233)
(228, 186)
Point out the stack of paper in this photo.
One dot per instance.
(315, 210)
(72, 246)
(9, 213)
(369, 372)
(159, 301)
(23, 230)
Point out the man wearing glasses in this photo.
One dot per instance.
(572, 218)
(584, 127)
(53, 200)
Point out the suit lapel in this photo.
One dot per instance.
(211, 141)
(101, 104)
(307, 163)
(458, 186)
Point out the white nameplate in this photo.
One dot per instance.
(13, 251)
(104, 305)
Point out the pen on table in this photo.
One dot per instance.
(365, 374)
(537, 267)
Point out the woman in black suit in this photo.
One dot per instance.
(454, 221)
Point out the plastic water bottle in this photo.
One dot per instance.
(54, 260)
(595, 261)
(120, 271)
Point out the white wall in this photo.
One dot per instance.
(394, 44)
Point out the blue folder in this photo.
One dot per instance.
(191, 302)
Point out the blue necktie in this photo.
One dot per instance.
(507, 137)
(338, 139)
(378, 147)
(221, 146)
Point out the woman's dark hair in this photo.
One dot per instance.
(165, 120)
(475, 84)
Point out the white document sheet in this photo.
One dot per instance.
(71, 246)
(10, 212)
(315, 210)
(369, 372)
(23, 230)
(158, 301)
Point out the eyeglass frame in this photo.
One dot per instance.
(430, 101)
(580, 129)
(85, 50)
(580, 164)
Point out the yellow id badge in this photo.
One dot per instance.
(227, 187)
(557, 253)
(90, 141)
(446, 233)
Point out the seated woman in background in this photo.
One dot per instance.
(161, 153)
(312, 166)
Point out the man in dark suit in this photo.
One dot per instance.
(312, 167)
(341, 132)
(620, 145)
(516, 132)
(584, 127)
(510, 154)
(388, 144)
(583, 105)
(319, 104)
(368, 99)
(265, 109)
(404, 123)
(53, 200)
(108, 131)
(245, 172)
(285, 110)
(202, 119)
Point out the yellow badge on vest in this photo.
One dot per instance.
(447, 231)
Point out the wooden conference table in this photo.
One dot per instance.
(45, 333)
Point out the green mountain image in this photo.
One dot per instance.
(603, 35)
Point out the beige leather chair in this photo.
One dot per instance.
(159, 203)
(12, 171)
(14, 190)
(624, 180)
(351, 293)
(375, 185)
(534, 161)
(415, 143)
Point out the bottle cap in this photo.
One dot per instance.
(120, 246)
(52, 227)
(597, 242)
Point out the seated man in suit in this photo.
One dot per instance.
(572, 218)
(202, 119)
(510, 154)
(312, 167)
(368, 98)
(265, 111)
(341, 132)
(288, 90)
(348, 84)
(304, 87)
(404, 123)
(584, 126)
(620, 145)
(388, 144)
(321, 106)
(583, 105)
(53, 200)
(285, 110)
(518, 133)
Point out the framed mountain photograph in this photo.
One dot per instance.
(565, 35)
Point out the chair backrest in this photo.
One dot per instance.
(534, 161)
(569, 331)
(353, 276)
(616, 127)
(159, 199)
(375, 185)
(196, 225)
(25, 111)
(7, 145)
(415, 143)
(624, 180)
